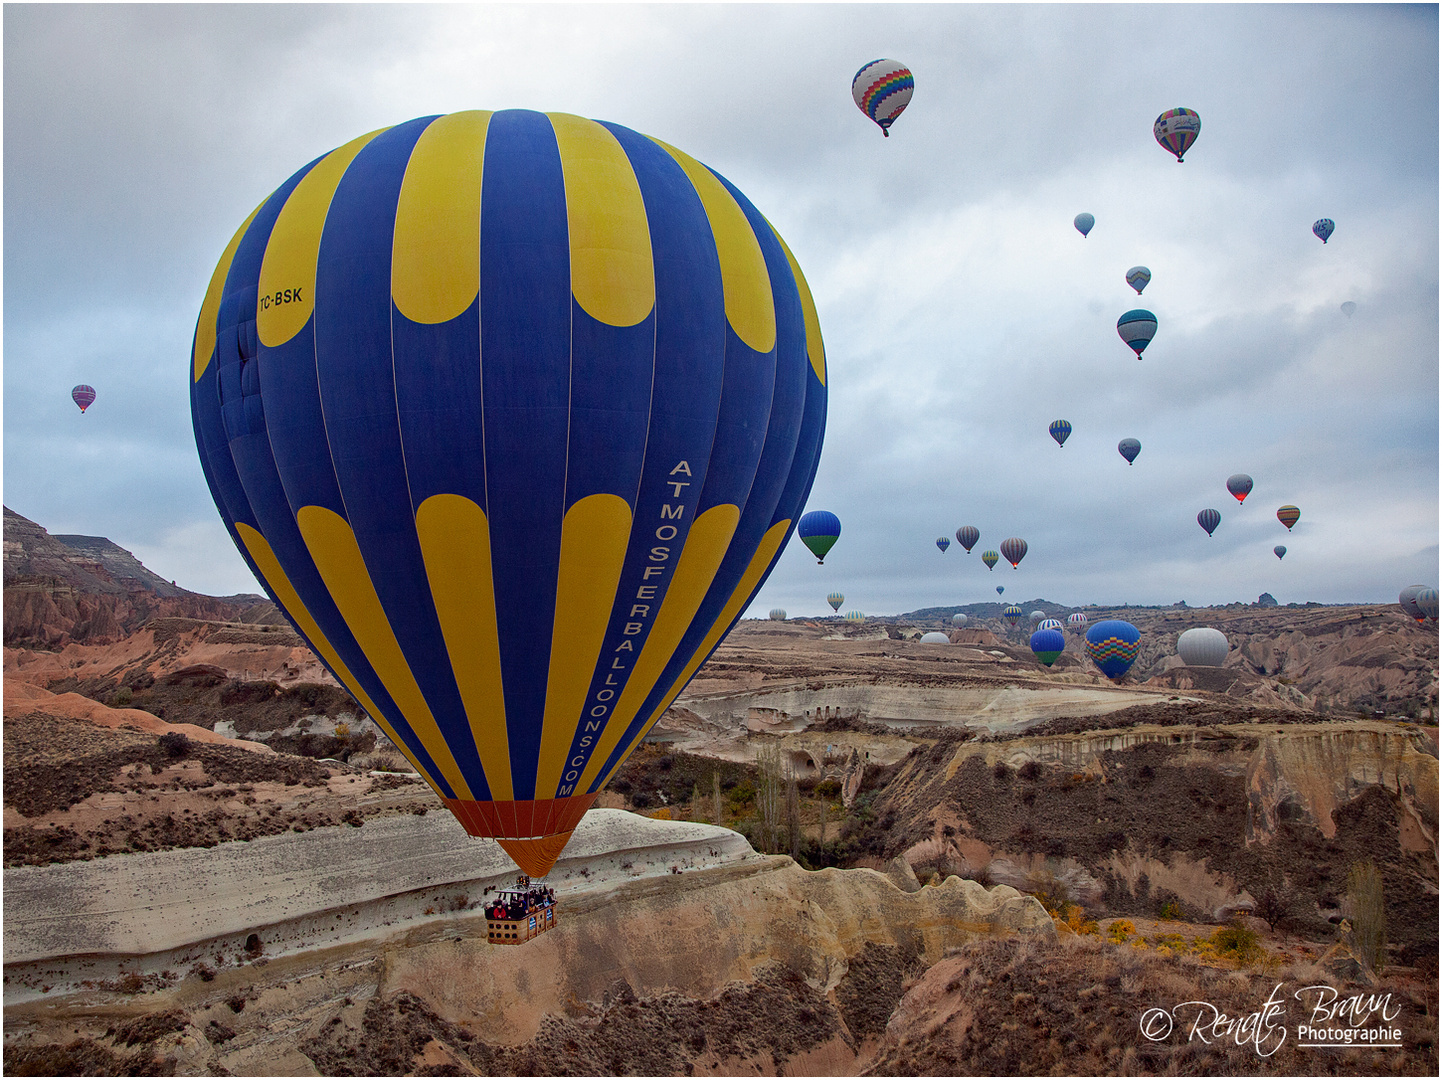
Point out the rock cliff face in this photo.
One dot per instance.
(86, 589)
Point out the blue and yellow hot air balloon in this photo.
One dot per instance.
(1112, 645)
(943, 542)
(1060, 431)
(511, 413)
(990, 558)
(1011, 613)
(1048, 643)
(819, 530)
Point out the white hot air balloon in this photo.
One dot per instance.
(935, 637)
(958, 620)
(1201, 646)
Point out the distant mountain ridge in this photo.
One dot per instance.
(88, 589)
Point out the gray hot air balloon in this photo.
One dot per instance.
(1279, 551)
(1038, 616)
(935, 637)
(1129, 449)
(1209, 520)
(1407, 598)
(1349, 308)
(1201, 646)
(778, 614)
(958, 620)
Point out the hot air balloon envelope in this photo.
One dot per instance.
(1038, 616)
(1048, 644)
(1138, 277)
(989, 557)
(819, 530)
(1084, 223)
(1279, 551)
(1011, 613)
(778, 614)
(1323, 227)
(1060, 430)
(1137, 327)
(1349, 308)
(1013, 549)
(1129, 449)
(835, 600)
(958, 620)
(1240, 485)
(1202, 646)
(967, 536)
(882, 89)
(1112, 645)
(1050, 624)
(855, 616)
(1077, 621)
(1209, 520)
(1176, 129)
(1000, 589)
(83, 395)
(935, 637)
(1407, 598)
(463, 543)
(1288, 516)
(943, 543)
(1426, 601)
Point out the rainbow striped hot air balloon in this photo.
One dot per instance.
(882, 89)
(1048, 643)
(514, 566)
(1013, 549)
(84, 396)
(1112, 645)
(1288, 516)
(1176, 129)
(967, 536)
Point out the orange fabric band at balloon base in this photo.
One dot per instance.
(533, 832)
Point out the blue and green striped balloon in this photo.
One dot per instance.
(512, 414)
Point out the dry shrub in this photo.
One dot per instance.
(1186, 878)
(1367, 912)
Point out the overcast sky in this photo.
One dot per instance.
(961, 310)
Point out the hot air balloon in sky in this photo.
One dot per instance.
(1138, 277)
(1349, 308)
(835, 600)
(1048, 644)
(1407, 598)
(1426, 601)
(778, 614)
(1288, 516)
(1013, 549)
(1011, 613)
(1176, 130)
(943, 543)
(1209, 520)
(1049, 624)
(1129, 449)
(967, 536)
(1084, 223)
(1000, 589)
(1202, 646)
(514, 566)
(1240, 485)
(989, 557)
(1077, 621)
(83, 395)
(1060, 431)
(1279, 551)
(958, 620)
(1112, 645)
(882, 89)
(1323, 227)
(1137, 327)
(819, 530)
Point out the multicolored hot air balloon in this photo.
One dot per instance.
(84, 396)
(943, 543)
(1288, 516)
(1049, 624)
(1077, 621)
(958, 620)
(1202, 646)
(835, 600)
(967, 536)
(1426, 601)
(1240, 485)
(1084, 223)
(1349, 308)
(514, 566)
(1138, 277)
(1407, 599)
(1060, 431)
(1048, 644)
(1012, 614)
(1013, 549)
(989, 557)
(1129, 449)
(1279, 551)
(882, 89)
(1323, 228)
(1112, 645)
(1137, 328)
(778, 614)
(1209, 520)
(1176, 130)
(819, 530)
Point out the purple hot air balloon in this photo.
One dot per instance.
(84, 396)
(1013, 549)
(967, 536)
(1209, 520)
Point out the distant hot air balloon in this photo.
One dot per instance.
(1000, 589)
(943, 543)
(1240, 485)
(778, 614)
(1348, 308)
(819, 531)
(1077, 621)
(1323, 227)
(1202, 646)
(1013, 549)
(835, 600)
(1137, 327)
(1048, 644)
(934, 637)
(1012, 614)
(1209, 520)
(1138, 277)
(1112, 645)
(463, 543)
(1038, 616)
(967, 536)
(855, 616)
(1050, 624)
(1060, 431)
(1407, 598)
(882, 89)
(1288, 516)
(1426, 601)
(1084, 223)
(989, 557)
(1129, 449)
(84, 396)
(1279, 551)
(958, 620)
(1176, 130)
